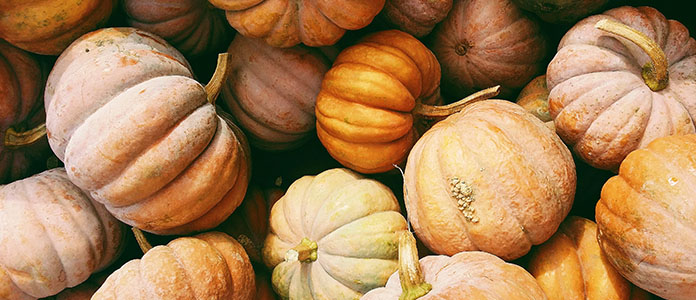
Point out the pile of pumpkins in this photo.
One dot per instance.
(363, 149)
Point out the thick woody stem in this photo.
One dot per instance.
(141, 239)
(305, 251)
(18, 139)
(431, 111)
(212, 89)
(413, 283)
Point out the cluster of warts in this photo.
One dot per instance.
(463, 193)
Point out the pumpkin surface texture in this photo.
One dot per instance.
(136, 131)
(561, 11)
(52, 236)
(417, 17)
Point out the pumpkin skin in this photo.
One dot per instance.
(355, 223)
(136, 131)
(52, 236)
(483, 43)
(561, 11)
(271, 92)
(194, 27)
(514, 176)
(286, 23)
(47, 26)
(364, 106)
(601, 106)
(210, 265)
(534, 98)
(645, 218)
(417, 17)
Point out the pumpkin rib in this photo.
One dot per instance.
(500, 31)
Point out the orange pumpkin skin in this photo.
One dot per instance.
(48, 26)
(52, 236)
(364, 106)
(417, 17)
(601, 106)
(136, 131)
(210, 265)
(492, 177)
(646, 218)
(285, 23)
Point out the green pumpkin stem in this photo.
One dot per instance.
(141, 239)
(17, 139)
(219, 78)
(655, 73)
(433, 112)
(305, 251)
(413, 283)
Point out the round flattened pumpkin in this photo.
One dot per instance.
(136, 131)
(604, 103)
(417, 17)
(52, 236)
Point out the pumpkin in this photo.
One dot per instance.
(48, 26)
(617, 85)
(333, 236)
(561, 11)
(264, 290)
(136, 131)
(85, 290)
(209, 265)
(194, 27)
(646, 217)
(286, 23)
(271, 92)
(52, 236)
(570, 265)
(466, 275)
(417, 17)
(483, 43)
(492, 178)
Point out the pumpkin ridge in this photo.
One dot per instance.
(368, 215)
(500, 31)
(353, 124)
(392, 51)
(187, 272)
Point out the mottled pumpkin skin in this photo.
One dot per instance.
(52, 236)
(210, 265)
(49, 26)
(467, 275)
(136, 131)
(647, 214)
(417, 17)
(356, 224)
(561, 11)
(600, 104)
(286, 23)
(516, 174)
(194, 27)
(364, 106)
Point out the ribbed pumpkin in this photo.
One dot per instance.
(194, 27)
(333, 236)
(49, 26)
(417, 17)
(52, 236)
(271, 92)
(492, 177)
(608, 96)
(136, 131)
(285, 23)
(647, 214)
(483, 43)
(561, 11)
(466, 275)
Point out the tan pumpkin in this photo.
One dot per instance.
(466, 275)
(48, 26)
(492, 177)
(647, 214)
(271, 92)
(333, 236)
(52, 236)
(417, 17)
(603, 100)
(194, 27)
(209, 265)
(136, 131)
(286, 23)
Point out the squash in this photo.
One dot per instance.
(483, 43)
(194, 27)
(647, 214)
(417, 17)
(618, 84)
(492, 177)
(466, 275)
(49, 26)
(271, 92)
(333, 236)
(561, 11)
(52, 236)
(136, 131)
(534, 98)
(286, 23)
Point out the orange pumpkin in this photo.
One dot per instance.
(417, 17)
(647, 214)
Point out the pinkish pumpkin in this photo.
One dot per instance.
(417, 17)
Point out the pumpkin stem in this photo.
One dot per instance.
(413, 283)
(655, 73)
(17, 139)
(219, 77)
(141, 239)
(305, 252)
(432, 111)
